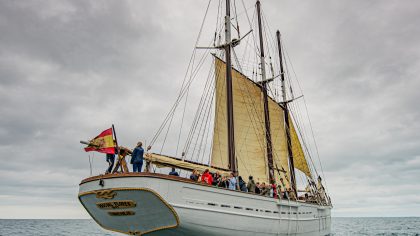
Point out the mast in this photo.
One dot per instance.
(265, 95)
(286, 119)
(229, 94)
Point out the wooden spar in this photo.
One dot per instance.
(115, 137)
(88, 143)
(286, 118)
(229, 94)
(117, 149)
(265, 95)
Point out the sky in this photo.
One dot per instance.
(70, 69)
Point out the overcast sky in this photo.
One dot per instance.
(69, 69)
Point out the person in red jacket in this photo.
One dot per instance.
(274, 187)
(206, 177)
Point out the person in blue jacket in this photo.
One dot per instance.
(137, 157)
(173, 172)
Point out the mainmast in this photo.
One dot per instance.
(229, 97)
(264, 82)
(286, 118)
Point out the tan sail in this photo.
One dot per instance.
(278, 138)
(248, 114)
(299, 159)
(249, 132)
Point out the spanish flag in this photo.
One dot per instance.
(102, 143)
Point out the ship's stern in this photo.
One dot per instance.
(128, 210)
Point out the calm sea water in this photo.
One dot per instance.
(340, 226)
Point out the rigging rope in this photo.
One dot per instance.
(182, 123)
(310, 125)
(201, 128)
(182, 90)
(197, 115)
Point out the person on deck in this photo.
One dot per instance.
(206, 177)
(271, 190)
(242, 184)
(283, 186)
(265, 190)
(173, 172)
(224, 182)
(251, 185)
(232, 182)
(137, 157)
(257, 188)
(194, 175)
(274, 188)
(217, 178)
(110, 158)
(292, 194)
(279, 191)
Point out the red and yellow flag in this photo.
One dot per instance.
(102, 143)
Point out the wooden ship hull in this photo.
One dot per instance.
(157, 204)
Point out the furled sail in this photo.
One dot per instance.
(167, 161)
(248, 114)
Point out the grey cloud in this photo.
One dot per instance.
(69, 69)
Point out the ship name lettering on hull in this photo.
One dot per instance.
(121, 213)
(116, 204)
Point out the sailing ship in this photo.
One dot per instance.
(254, 132)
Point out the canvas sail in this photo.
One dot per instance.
(278, 139)
(299, 159)
(248, 114)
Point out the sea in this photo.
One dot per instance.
(340, 226)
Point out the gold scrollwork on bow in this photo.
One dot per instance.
(106, 194)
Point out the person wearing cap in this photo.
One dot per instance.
(137, 157)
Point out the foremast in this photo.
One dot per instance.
(286, 117)
(229, 98)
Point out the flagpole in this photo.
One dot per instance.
(117, 148)
(115, 137)
(90, 165)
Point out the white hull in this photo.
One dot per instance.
(194, 209)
